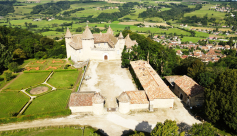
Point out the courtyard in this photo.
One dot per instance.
(108, 78)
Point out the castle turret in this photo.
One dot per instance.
(87, 40)
(110, 31)
(68, 39)
(120, 35)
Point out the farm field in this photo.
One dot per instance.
(192, 39)
(50, 102)
(28, 79)
(205, 10)
(69, 131)
(64, 79)
(11, 103)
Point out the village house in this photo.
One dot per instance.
(187, 90)
(102, 46)
(179, 53)
(156, 93)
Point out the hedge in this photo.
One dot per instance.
(35, 116)
(39, 71)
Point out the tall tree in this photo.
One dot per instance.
(203, 129)
(168, 128)
(221, 99)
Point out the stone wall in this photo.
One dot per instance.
(81, 109)
(163, 103)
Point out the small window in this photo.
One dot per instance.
(98, 44)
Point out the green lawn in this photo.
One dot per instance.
(67, 131)
(51, 102)
(28, 79)
(63, 79)
(11, 102)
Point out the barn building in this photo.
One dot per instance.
(156, 93)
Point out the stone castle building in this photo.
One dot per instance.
(102, 46)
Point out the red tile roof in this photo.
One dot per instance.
(188, 85)
(153, 85)
(81, 99)
(137, 97)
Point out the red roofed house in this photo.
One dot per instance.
(86, 102)
(179, 52)
(189, 91)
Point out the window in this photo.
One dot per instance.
(98, 44)
(104, 44)
(117, 51)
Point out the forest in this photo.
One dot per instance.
(175, 13)
(18, 44)
(194, 19)
(6, 7)
(218, 79)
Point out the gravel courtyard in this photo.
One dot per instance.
(108, 78)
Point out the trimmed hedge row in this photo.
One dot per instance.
(35, 116)
(58, 70)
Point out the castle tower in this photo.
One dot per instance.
(87, 41)
(121, 41)
(110, 31)
(68, 39)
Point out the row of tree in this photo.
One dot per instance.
(175, 13)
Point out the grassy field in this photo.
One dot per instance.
(192, 39)
(205, 10)
(11, 102)
(64, 79)
(66, 131)
(51, 102)
(28, 79)
(2, 81)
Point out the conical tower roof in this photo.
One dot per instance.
(110, 31)
(68, 33)
(87, 34)
(120, 35)
(123, 97)
(97, 98)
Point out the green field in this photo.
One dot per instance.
(11, 102)
(64, 79)
(205, 10)
(28, 79)
(192, 39)
(66, 131)
(51, 102)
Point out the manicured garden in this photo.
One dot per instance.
(64, 79)
(11, 103)
(28, 79)
(50, 102)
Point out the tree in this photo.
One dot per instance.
(197, 68)
(203, 129)
(125, 57)
(168, 128)
(221, 100)
(19, 53)
(5, 57)
(7, 76)
(13, 66)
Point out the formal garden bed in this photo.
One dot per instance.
(28, 80)
(51, 102)
(39, 90)
(64, 79)
(11, 102)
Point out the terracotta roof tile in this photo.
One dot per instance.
(129, 43)
(97, 98)
(81, 99)
(137, 97)
(188, 85)
(153, 85)
(123, 97)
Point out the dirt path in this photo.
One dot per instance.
(11, 82)
(115, 124)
